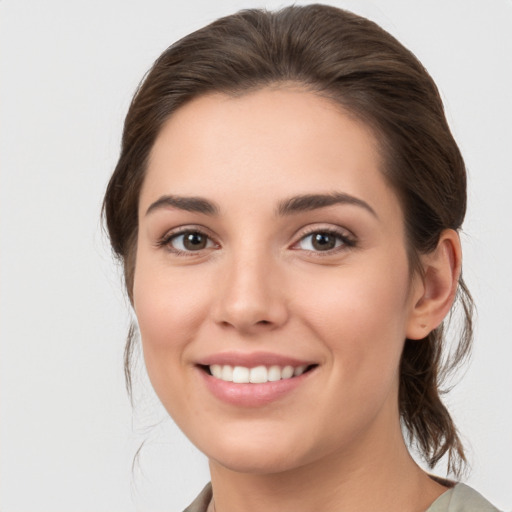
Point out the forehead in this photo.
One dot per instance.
(262, 145)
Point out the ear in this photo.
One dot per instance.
(434, 292)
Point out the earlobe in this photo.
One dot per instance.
(436, 293)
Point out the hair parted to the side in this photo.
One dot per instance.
(365, 70)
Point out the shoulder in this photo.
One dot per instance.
(200, 504)
(461, 498)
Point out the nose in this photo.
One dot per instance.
(251, 295)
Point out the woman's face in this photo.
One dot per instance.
(270, 244)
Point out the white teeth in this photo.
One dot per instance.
(227, 373)
(299, 370)
(256, 375)
(216, 370)
(241, 374)
(287, 372)
(274, 373)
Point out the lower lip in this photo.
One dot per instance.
(252, 395)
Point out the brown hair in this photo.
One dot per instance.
(360, 66)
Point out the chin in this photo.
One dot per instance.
(273, 454)
(257, 462)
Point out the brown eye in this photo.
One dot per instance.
(194, 241)
(323, 241)
(190, 241)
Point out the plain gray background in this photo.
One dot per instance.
(68, 70)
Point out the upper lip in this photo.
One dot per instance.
(253, 359)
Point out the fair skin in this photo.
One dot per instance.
(247, 277)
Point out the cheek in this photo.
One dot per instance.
(170, 308)
(361, 315)
(361, 322)
(167, 301)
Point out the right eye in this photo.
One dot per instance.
(188, 241)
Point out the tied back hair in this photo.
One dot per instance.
(366, 71)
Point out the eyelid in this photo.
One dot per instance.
(165, 240)
(348, 239)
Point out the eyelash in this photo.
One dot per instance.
(165, 241)
(347, 241)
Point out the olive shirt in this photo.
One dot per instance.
(459, 498)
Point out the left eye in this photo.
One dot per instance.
(190, 241)
(321, 241)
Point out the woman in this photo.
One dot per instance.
(286, 207)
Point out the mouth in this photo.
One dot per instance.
(255, 375)
(254, 379)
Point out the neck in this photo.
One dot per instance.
(374, 474)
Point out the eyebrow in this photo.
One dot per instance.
(308, 202)
(189, 204)
(290, 206)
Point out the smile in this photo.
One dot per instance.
(254, 380)
(256, 375)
